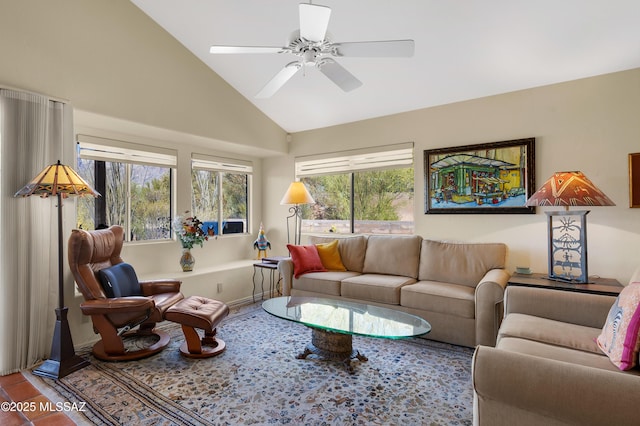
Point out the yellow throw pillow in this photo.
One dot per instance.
(330, 256)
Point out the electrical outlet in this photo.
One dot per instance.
(219, 287)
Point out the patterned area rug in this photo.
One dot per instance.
(258, 381)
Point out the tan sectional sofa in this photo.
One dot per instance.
(546, 368)
(457, 287)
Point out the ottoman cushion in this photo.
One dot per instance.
(198, 312)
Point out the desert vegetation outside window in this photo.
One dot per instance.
(365, 192)
(136, 193)
(220, 194)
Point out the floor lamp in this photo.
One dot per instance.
(60, 181)
(568, 229)
(297, 195)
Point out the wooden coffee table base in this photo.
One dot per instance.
(331, 346)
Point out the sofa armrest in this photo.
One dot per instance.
(512, 388)
(590, 310)
(489, 298)
(285, 267)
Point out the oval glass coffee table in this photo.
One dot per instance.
(334, 322)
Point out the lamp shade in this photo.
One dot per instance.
(569, 189)
(57, 179)
(297, 194)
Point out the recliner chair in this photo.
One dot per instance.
(114, 298)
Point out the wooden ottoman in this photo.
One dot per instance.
(205, 314)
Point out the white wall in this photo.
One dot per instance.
(589, 125)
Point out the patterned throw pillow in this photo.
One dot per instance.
(305, 259)
(620, 339)
(330, 256)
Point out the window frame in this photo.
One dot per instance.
(102, 150)
(222, 166)
(398, 156)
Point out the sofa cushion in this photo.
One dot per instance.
(560, 353)
(330, 256)
(322, 282)
(557, 333)
(352, 250)
(375, 288)
(452, 299)
(393, 255)
(305, 259)
(620, 338)
(459, 263)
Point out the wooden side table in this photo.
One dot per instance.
(604, 286)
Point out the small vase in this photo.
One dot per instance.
(187, 260)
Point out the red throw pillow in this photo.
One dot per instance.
(305, 259)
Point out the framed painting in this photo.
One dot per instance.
(495, 177)
(634, 180)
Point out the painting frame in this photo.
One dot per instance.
(634, 180)
(486, 178)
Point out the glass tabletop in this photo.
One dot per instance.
(347, 317)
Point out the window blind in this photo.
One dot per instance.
(376, 158)
(102, 149)
(220, 164)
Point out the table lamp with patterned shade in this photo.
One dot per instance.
(61, 181)
(568, 228)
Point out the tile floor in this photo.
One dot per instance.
(16, 388)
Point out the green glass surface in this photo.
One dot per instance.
(347, 317)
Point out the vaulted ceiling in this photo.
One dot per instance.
(464, 49)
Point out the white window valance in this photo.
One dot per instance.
(375, 158)
(103, 149)
(221, 164)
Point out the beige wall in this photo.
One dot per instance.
(128, 79)
(589, 125)
(108, 57)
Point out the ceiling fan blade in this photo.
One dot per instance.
(314, 20)
(339, 75)
(244, 49)
(376, 49)
(279, 80)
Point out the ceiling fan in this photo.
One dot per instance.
(311, 45)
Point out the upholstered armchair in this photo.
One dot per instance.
(119, 305)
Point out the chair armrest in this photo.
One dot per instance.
(151, 287)
(285, 267)
(508, 384)
(489, 298)
(586, 309)
(116, 305)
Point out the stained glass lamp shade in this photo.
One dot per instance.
(61, 181)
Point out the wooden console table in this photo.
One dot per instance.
(605, 286)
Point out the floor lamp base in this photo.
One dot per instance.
(63, 359)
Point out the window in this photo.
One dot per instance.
(220, 193)
(364, 191)
(135, 183)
